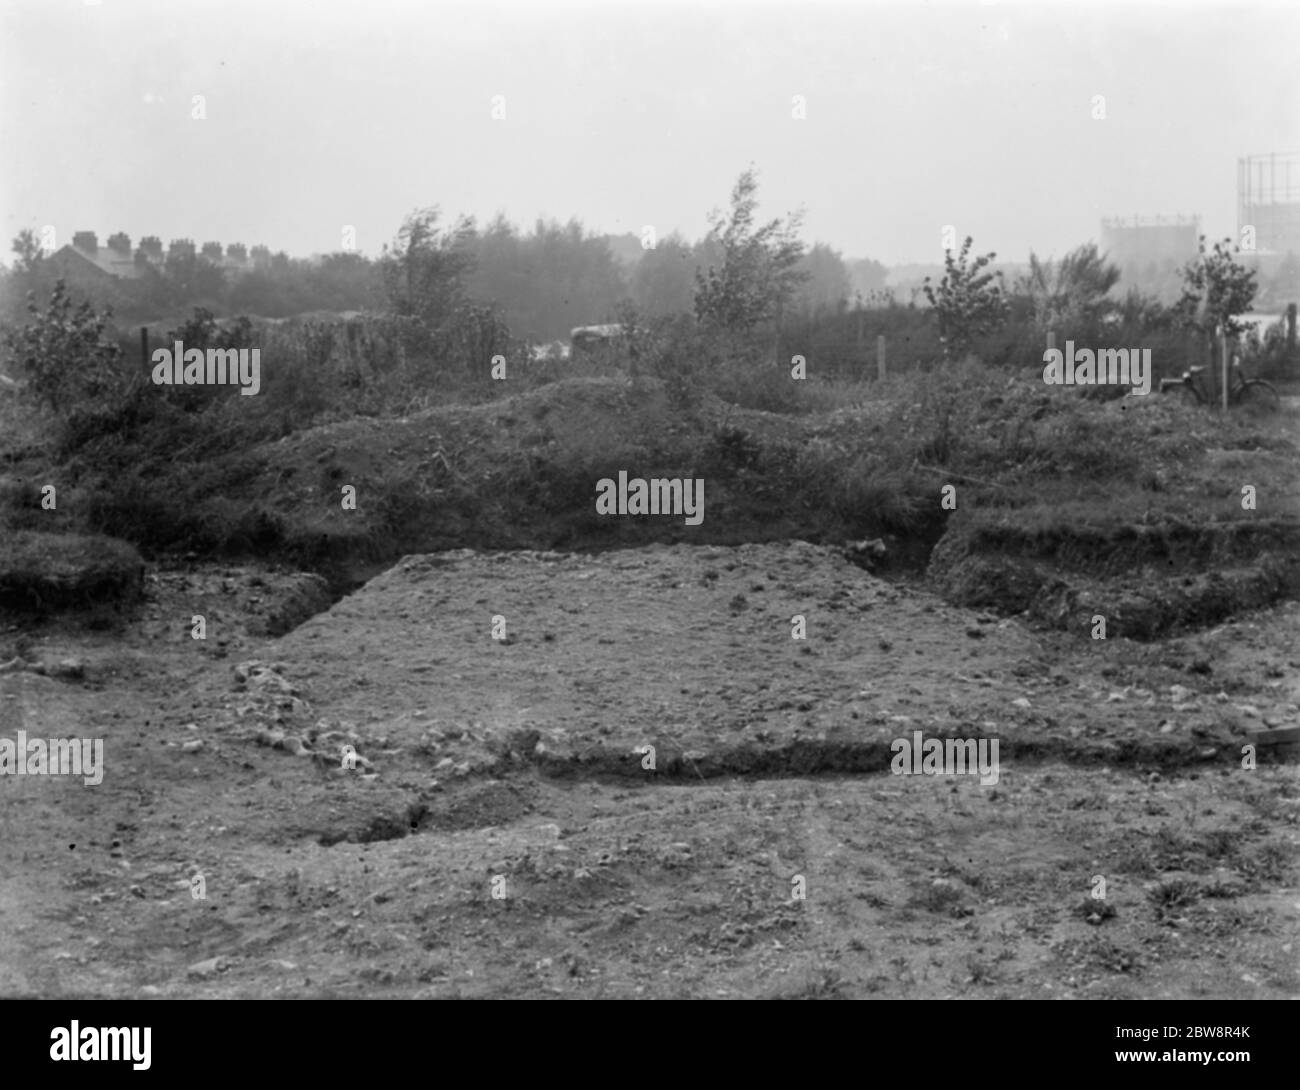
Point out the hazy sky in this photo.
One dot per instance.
(324, 114)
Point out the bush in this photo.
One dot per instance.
(63, 352)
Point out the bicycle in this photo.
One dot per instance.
(1242, 389)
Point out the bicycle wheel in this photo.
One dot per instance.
(1258, 395)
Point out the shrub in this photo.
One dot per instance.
(64, 353)
(967, 303)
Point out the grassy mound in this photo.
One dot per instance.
(42, 572)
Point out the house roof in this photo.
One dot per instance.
(123, 265)
(105, 260)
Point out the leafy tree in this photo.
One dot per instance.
(188, 276)
(663, 281)
(548, 280)
(1073, 292)
(968, 303)
(867, 277)
(759, 271)
(27, 249)
(64, 352)
(29, 274)
(425, 268)
(1216, 289)
(826, 282)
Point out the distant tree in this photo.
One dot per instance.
(867, 277)
(826, 282)
(1216, 289)
(626, 248)
(190, 278)
(759, 270)
(1282, 287)
(28, 276)
(1072, 292)
(967, 303)
(663, 282)
(28, 251)
(213, 251)
(548, 280)
(343, 281)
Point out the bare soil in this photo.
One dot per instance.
(515, 767)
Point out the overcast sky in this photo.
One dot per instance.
(324, 114)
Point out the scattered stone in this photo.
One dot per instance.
(72, 669)
(1095, 912)
(206, 969)
(192, 747)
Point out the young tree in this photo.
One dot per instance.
(967, 303)
(1215, 291)
(1073, 292)
(65, 352)
(424, 270)
(759, 271)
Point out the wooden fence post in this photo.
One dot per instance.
(880, 357)
(1223, 351)
(144, 346)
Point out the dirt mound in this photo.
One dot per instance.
(729, 686)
